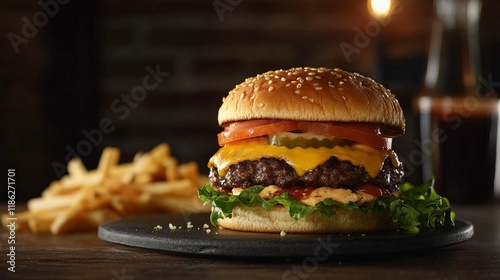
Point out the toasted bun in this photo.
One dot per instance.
(277, 219)
(312, 94)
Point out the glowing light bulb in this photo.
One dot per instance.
(379, 8)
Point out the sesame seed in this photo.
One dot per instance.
(309, 78)
(318, 88)
(255, 89)
(297, 91)
(304, 97)
(270, 88)
(311, 99)
(311, 73)
(343, 97)
(270, 82)
(276, 76)
(260, 105)
(318, 77)
(341, 89)
(341, 83)
(316, 84)
(299, 85)
(300, 79)
(283, 79)
(287, 85)
(294, 82)
(282, 233)
(331, 86)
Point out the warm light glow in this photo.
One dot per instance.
(379, 8)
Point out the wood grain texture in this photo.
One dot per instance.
(84, 256)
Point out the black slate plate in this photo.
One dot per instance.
(143, 232)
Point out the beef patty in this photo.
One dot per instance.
(333, 173)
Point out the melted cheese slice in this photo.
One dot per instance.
(301, 159)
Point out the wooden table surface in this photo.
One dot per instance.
(85, 256)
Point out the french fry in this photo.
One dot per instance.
(57, 188)
(76, 168)
(174, 188)
(110, 157)
(23, 218)
(170, 164)
(160, 152)
(189, 171)
(98, 216)
(90, 178)
(83, 199)
(20, 223)
(176, 204)
(54, 202)
(123, 171)
(143, 178)
(74, 220)
(143, 164)
(41, 223)
(119, 206)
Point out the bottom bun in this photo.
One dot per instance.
(277, 219)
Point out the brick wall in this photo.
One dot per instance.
(21, 78)
(207, 56)
(198, 53)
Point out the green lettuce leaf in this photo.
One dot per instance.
(418, 207)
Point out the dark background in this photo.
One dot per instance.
(84, 55)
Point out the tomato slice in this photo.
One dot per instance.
(231, 133)
(367, 134)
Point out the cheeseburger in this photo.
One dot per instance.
(309, 150)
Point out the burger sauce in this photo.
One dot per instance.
(297, 193)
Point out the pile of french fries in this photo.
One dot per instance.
(154, 182)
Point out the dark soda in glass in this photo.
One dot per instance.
(463, 151)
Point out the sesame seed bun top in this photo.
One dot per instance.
(313, 94)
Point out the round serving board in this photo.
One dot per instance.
(153, 232)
